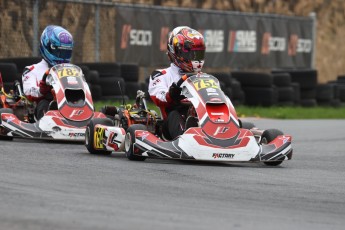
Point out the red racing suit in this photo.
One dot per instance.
(31, 79)
(160, 81)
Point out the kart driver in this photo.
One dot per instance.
(186, 51)
(55, 47)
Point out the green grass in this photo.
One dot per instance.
(292, 112)
(267, 112)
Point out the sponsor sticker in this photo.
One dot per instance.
(223, 155)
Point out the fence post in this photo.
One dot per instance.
(97, 33)
(35, 40)
(312, 15)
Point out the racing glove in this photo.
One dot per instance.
(44, 88)
(175, 93)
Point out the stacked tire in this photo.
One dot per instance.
(22, 62)
(288, 95)
(258, 88)
(92, 79)
(112, 85)
(9, 74)
(130, 73)
(231, 87)
(307, 80)
(340, 88)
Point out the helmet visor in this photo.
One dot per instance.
(193, 55)
(61, 52)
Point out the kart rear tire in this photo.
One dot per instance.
(268, 136)
(5, 138)
(89, 135)
(129, 143)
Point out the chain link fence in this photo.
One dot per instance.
(92, 25)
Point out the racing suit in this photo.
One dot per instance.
(172, 113)
(31, 78)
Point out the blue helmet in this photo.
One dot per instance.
(56, 45)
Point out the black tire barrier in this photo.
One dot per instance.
(285, 94)
(86, 71)
(281, 79)
(341, 79)
(308, 102)
(110, 86)
(307, 78)
(222, 85)
(224, 77)
(105, 69)
(324, 93)
(22, 62)
(9, 72)
(253, 79)
(260, 96)
(228, 92)
(341, 93)
(130, 72)
(96, 92)
(119, 98)
(132, 88)
(308, 93)
(93, 76)
(297, 92)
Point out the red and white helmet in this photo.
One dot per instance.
(186, 49)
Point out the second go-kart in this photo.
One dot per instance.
(68, 113)
(216, 133)
(104, 135)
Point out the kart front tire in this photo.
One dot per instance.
(130, 149)
(90, 138)
(2, 137)
(268, 136)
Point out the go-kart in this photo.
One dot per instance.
(215, 133)
(68, 113)
(104, 135)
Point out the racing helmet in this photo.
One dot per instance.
(56, 45)
(186, 49)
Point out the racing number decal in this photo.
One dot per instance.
(205, 83)
(98, 138)
(67, 72)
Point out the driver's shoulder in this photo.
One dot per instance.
(158, 73)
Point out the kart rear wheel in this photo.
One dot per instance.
(268, 136)
(131, 150)
(90, 135)
(2, 129)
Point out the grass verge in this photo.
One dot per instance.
(267, 112)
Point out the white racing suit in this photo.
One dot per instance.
(160, 81)
(31, 78)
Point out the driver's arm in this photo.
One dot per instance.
(31, 85)
(159, 88)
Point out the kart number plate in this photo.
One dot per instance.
(68, 72)
(205, 83)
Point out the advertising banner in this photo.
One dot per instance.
(232, 40)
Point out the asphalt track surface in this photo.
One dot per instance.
(61, 186)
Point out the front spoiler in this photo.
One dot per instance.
(190, 147)
(50, 127)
